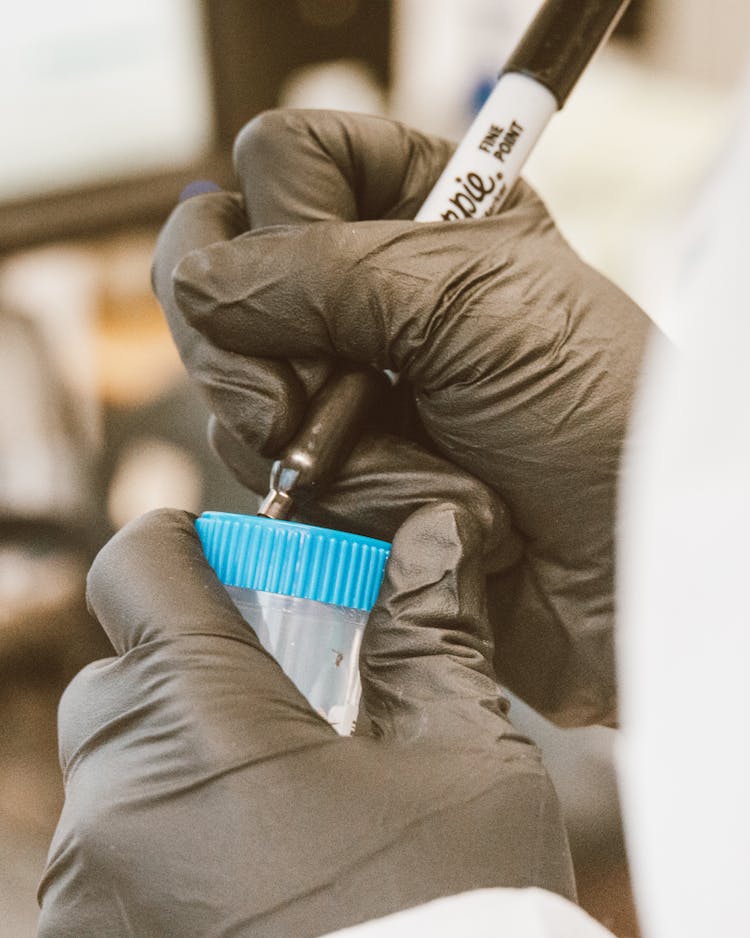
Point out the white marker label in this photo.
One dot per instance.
(489, 159)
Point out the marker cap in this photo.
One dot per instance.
(561, 41)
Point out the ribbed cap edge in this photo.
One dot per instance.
(293, 559)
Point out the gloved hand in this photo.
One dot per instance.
(518, 364)
(203, 795)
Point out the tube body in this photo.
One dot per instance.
(317, 646)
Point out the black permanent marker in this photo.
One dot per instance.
(534, 84)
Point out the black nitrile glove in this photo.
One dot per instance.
(203, 796)
(518, 362)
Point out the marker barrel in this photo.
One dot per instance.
(534, 84)
(481, 173)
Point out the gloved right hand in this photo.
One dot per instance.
(519, 360)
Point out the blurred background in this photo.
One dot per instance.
(106, 111)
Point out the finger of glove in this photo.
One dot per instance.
(192, 689)
(244, 461)
(152, 581)
(384, 480)
(391, 294)
(426, 659)
(298, 166)
(260, 399)
(394, 416)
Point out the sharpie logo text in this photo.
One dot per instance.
(471, 193)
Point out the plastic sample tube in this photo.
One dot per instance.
(307, 593)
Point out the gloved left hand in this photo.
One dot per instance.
(205, 796)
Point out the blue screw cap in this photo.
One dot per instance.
(293, 559)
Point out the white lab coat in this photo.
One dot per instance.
(486, 913)
(684, 629)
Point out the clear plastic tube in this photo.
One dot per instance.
(317, 646)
